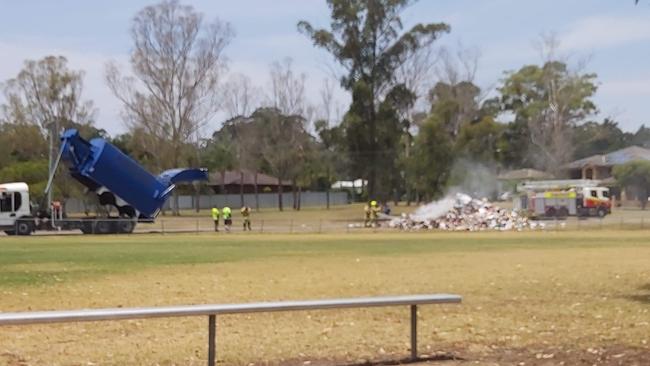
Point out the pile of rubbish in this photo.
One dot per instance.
(461, 212)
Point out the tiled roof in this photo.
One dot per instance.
(618, 157)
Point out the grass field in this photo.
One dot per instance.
(541, 298)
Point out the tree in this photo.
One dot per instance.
(635, 175)
(593, 138)
(46, 94)
(429, 166)
(283, 143)
(479, 141)
(176, 63)
(367, 39)
(45, 97)
(550, 100)
(641, 137)
(455, 104)
(287, 89)
(240, 97)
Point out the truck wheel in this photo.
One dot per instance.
(562, 213)
(550, 212)
(601, 212)
(103, 227)
(24, 227)
(125, 226)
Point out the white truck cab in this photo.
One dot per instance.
(15, 212)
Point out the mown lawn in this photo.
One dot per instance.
(541, 292)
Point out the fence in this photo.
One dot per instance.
(46, 317)
(204, 224)
(266, 200)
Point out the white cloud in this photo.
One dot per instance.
(606, 31)
(630, 87)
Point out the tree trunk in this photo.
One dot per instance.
(408, 195)
(197, 189)
(327, 198)
(372, 179)
(257, 197)
(299, 198)
(294, 194)
(175, 210)
(223, 187)
(241, 188)
(327, 189)
(280, 194)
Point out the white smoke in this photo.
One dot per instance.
(441, 207)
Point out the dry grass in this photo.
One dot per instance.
(573, 291)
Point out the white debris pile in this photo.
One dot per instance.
(461, 212)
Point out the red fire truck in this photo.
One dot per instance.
(564, 198)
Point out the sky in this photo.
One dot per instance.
(612, 36)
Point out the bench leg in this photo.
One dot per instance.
(212, 344)
(414, 332)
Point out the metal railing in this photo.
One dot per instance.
(46, 317)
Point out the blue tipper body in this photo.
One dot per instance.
(97, 163)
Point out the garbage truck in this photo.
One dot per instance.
(116, 180)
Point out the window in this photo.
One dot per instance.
(5, 202)
(606, 194)
(594, 194)
(18, 200)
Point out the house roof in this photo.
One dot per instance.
(618, 157)
(235, 177)
(524, 174)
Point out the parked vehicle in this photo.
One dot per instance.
(582, 198)
(116, 180)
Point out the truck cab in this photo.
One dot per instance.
(15, 212)
(595, 201)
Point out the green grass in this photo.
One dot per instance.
(524, 293)
(42, 260)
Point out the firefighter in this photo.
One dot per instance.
(215, 218)
(227, 218)
(246, 213)
(366, 211)
(374, 213)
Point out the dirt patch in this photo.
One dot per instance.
(530, 356)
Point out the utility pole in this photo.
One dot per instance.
(50, 165)
(53, 127)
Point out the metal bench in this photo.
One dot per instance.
(46, 317)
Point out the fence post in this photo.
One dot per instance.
(212, 340)
(414, 332)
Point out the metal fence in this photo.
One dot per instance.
(47, 317)
(164, 225)
(265, 200)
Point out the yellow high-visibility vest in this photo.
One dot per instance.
(215, 213)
